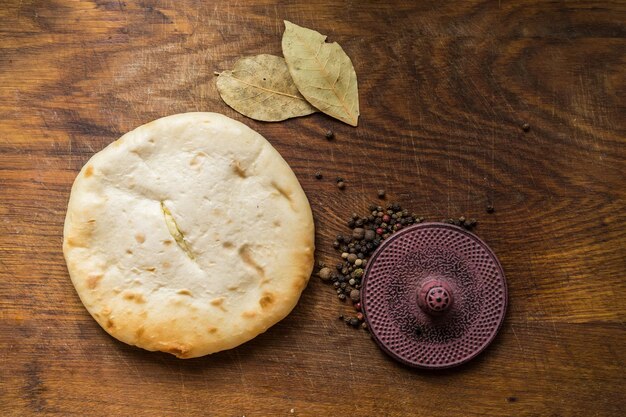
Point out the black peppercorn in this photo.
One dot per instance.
(329, 134)
(381, 193)
(318, 175)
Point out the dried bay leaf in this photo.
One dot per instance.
(261, 88)
(322, 72)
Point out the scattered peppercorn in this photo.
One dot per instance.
(462, 222)
(525, 127)
(329, 134)
(490, 208)
(318, 175)
(381, 193)
(324, 274)
(341, 185)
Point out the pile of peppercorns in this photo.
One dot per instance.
(368, 232)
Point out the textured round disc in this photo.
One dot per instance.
(416, 256)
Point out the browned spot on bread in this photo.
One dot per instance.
(109, 323)
(166, 264)
(212, 330)
(197, 158)
(93, 281)
(88, 171)
(184, 292)
(266, 300)
(180, 351)
(218, 302)
(128, 251)
(233, 288)
(80, 243)
(139, 332)
(239, 170)
(150, 269)
(91, 221)
(228, 245)
(246, 256)
(138, 298)
(140, 238)
(168, 242)
(248, 314)
(276, 223)
(106, 311)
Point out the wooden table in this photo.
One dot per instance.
(444, 90)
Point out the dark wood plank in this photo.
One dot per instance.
(444, 91)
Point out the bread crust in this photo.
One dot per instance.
(188, 235)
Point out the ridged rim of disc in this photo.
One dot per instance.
(479, 277)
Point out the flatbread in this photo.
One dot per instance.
(188, 235)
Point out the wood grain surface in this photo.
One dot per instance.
(444, 89)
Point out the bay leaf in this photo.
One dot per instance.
(322, 72)
(261, 88)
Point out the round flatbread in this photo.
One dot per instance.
(188, 235)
